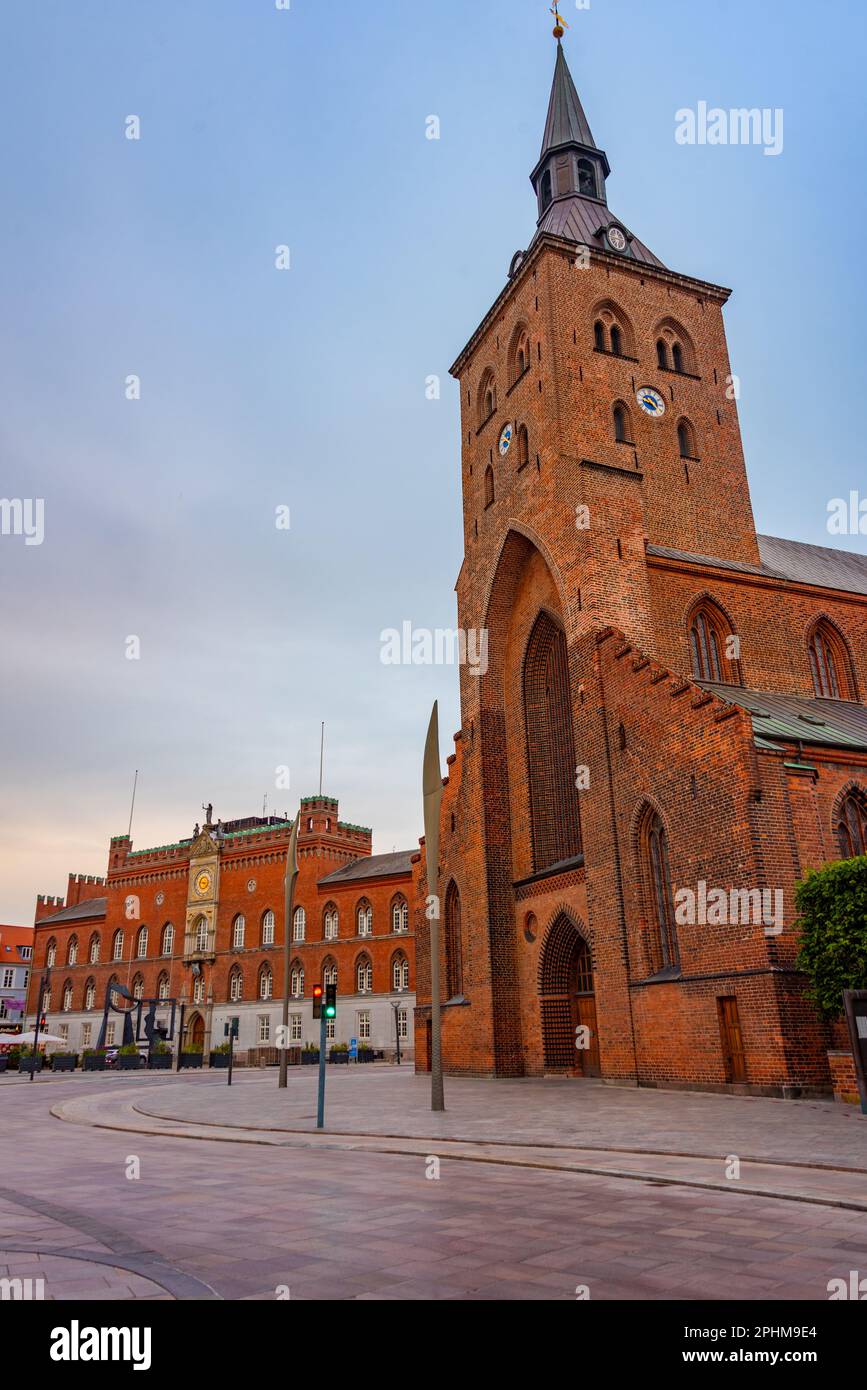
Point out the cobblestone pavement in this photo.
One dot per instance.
(232, 1220)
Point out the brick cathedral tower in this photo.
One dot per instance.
(609, 754)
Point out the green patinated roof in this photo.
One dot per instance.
(797, 718)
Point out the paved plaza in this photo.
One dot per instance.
(178, 1187)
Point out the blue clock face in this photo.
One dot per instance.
(506, 439)
(651, 401)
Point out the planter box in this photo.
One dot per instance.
(94, 1063)
(129, 1063)
(162, 1061)
(220, 1060)
(338, 1057)
(309, 1059)
(366, 1056)
(65, 1063)
(28, 1064)
(191, 1061)
(4, 1062)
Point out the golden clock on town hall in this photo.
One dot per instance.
(203, 882)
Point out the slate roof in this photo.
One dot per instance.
(824, 566)
(579, 219)
(832, 723)
(373, 866)
(93, 907)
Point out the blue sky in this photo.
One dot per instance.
(262, 127)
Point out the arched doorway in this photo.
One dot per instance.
(195, 1038)
(570, 1037)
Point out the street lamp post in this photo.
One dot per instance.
(291, 875)
(396, 1007)
(43, 986)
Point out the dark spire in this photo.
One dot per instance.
(566, 123)
(571, 164)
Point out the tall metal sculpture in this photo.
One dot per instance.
(146, 1026)
(432, 788)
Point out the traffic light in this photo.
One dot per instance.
(317, 1001)
(331, 1001)
(43, 1023)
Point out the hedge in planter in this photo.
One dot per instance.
(832, 917)
(220, 1056)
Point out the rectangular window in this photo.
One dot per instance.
(402, 1024)
(63, 1032)
(25, 952)
(8, 979)
(329, 1029)
(296, 1031)
(86, 1034)
(264, 1033)
(109, 1035)
(364, 1024)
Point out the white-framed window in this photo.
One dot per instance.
(4, 1012)
(238, 929)
(89, 994)
(201, 939)
(268, 928)
(67, 997)
(400, 915)
(51, 954)
(332, 923)
(364, 1024)
(8, 979)
(296, 982)
(94, 949)
(236, 986)
(299, 924)
(402, 1024)
(296, 1031)
(329, 1029)
(117, 946)
(46, 1001)
(365, 919)
(266, 984)
(364, 977)
(141, 948)
(163, 987)
(86, 1034)
(263, 1030)
(63, 1031)
(72, 951)
(168, 942)
(109, 1035)
(26, 952)
(138, 988)
(199, 990)
(400, 973)
(329, 975)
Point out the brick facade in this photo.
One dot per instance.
(616, 544)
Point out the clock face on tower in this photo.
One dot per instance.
(203, 882)
(616, 239)
(651, 401)
(506, 439)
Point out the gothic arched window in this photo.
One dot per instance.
(830, 663)
(141, 948)
(523, 446)
(662, 353)
(239, 927)
(546, 194)
(554, 819)
(364, 918)
(686, 440)
(622, 426)
(713, 646)
(489, 486)
(93, 952)
(72, 951)
(654, 849)
(167, 945)
(851, 825)
(586, 178)
(454, 943)
(599, 336)
(399, 915)
(236, 985)
(364, 975)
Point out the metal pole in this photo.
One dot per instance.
(397, 1031)
(231, 1050)
(43, 984)
(291, 875)
(321, 757)
(320, 1107)
(181, 1037)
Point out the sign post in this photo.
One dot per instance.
(231, 1032)
(855, 1003)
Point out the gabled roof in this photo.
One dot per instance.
(820, 565)
(797, 718)
(93, 907)
(373, 866)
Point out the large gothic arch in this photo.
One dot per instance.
(567, 1000)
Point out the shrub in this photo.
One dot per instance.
(832, 917)
(223, 1047)
(128, 1050)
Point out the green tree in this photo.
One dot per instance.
(832, 917)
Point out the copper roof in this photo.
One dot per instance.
(580, 220)
(797, 718)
